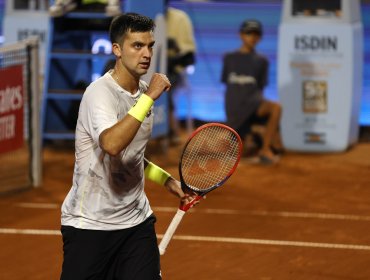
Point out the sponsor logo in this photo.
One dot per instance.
(314, 138)
(25, 33)
(315, 43)
(11, 99)
(315, 96)
(240, 79)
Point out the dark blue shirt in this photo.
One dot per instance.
(245, 76)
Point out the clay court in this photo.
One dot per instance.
(308, 217)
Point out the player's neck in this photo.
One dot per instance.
(125, 80)
(246, 49)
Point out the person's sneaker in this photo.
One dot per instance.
(265, 160)
(113, 8)
(61, 7)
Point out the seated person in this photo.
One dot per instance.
(245, 74)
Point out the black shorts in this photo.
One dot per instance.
(128, 254)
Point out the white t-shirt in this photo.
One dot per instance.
(107, 192)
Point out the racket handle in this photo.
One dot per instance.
(170, 231)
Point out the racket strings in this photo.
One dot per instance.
(209, 158)
(209, 170)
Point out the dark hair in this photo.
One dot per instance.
(130, 22)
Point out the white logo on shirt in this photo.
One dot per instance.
(240, 79)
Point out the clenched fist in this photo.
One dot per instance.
(158, 83)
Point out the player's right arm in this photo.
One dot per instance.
(116, 138)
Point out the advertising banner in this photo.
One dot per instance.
(319, 73)
(11, 108)
(22, 25)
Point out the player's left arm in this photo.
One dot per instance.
(162, 177)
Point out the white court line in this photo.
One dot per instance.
(38, 205)
(202, 210)
(284, 214)
(270, 242)
(213, 239)
(30, 231)
(312, 215)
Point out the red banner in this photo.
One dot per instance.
(11, 108)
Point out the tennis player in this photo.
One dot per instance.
(107, 223)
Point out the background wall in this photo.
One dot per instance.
(216, 29)
(216, 25)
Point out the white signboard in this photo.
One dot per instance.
(21, 25)
(319, 78)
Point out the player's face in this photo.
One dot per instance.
(250, 40)
(137, 52)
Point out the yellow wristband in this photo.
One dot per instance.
(141, 108)
(156, 174)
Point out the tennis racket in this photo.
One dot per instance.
(209, 158)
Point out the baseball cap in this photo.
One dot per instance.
(251, 25)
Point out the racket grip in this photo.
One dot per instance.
(170, 231)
